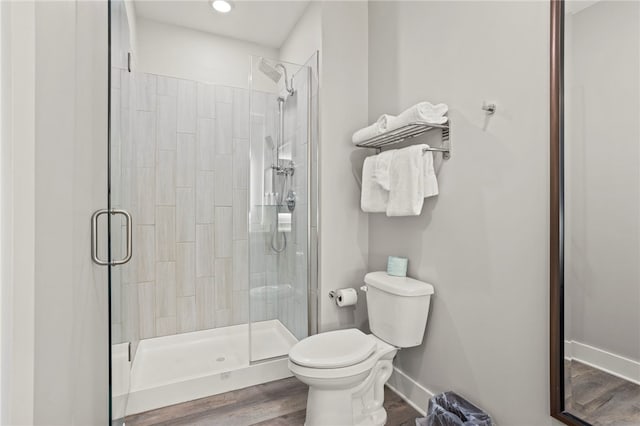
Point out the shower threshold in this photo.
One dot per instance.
(173, 369)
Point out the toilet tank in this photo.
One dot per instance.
(398, 308)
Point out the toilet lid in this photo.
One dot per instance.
(333, 349)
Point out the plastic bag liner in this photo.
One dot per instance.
(450, 409)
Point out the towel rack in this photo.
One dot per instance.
(409, 131)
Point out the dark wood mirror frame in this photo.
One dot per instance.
(556, 344)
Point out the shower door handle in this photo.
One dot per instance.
(94, 237)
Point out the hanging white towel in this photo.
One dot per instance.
(382, 167)
(381, 125)
(373, 198)
(406, 195)
(423, 111)
(430, 180)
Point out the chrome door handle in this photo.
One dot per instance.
(94, 237)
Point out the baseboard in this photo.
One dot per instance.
(611, 363)
(411, 391)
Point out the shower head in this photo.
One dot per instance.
(269, 70)
(275, 73)
(270, 143)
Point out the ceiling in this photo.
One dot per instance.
(264, 22)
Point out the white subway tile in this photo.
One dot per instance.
(167, 86)
(165, 233)
(186, 314)
(240, 214)
(146, 304)
(186, 160)
(224, 232)
(206, 143)
(144, 254)
(241, 163)
(186, 269)
(145, 138)
(223, 180)
(240, 307)
(224, 125)
(146, 195)
(206, 100)
(165, 289)
(145, 85)
(241, 113)
(165, 326)
(224, 94)
(205, 183)
(223, 283)
(185, 215)
(166, 178)
(205, 303)
(240, 265)
(186, 122)
(204, 250)
(167, 122)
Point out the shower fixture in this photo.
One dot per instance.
(275, 73)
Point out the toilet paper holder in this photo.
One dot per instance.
(333, 293)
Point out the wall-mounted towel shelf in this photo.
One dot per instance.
(408, 131)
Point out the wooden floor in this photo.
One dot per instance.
(277, 403)
(600, 398)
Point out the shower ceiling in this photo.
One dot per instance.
(264, 22)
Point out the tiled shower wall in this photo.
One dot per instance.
(180, 158)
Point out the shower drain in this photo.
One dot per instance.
(220, 359)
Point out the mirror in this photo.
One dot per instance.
(596, 212)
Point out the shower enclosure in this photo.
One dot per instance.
(220, 186)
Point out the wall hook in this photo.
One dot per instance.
(489, 108)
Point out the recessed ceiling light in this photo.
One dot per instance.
(222, 6)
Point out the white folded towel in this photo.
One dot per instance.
(423, 111)
(430, 181)
(380, 126)
(373, 198)
(284, 222)
(406, 195)
(382, 168)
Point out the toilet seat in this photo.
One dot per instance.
(333, 349)
(380, 348)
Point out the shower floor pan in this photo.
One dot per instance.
(173, 369)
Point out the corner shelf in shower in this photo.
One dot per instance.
(409, 131)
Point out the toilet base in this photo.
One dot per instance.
(357, 404)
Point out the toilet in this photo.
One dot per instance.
(346, 369)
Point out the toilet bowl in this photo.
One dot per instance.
(346, 369)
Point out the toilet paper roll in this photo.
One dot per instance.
(346, 297)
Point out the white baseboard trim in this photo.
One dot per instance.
(411, 391)
(608, 362)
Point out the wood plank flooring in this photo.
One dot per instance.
(279, 403)
(600, 398)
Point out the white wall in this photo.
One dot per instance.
(306, 36)
(602, 178)
(71, 323)
(339, 30)
(194, 55)
(483, 242)
(18, 210)
(344, 240)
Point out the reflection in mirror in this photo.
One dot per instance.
(602, 211)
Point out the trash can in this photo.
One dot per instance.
(450, 409)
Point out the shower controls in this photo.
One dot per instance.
(287, 170)
(291, 200)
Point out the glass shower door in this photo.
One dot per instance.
(282, 150)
